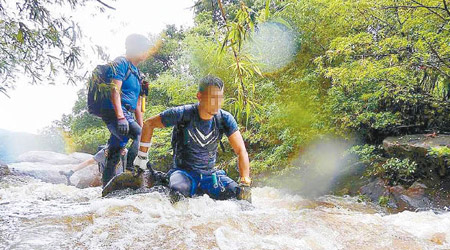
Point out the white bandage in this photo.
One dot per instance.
(141, 160)
(145, 144)
(142, 154)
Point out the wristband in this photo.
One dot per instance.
(145, 144)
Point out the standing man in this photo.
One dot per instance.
(197, 133)
(122, 112)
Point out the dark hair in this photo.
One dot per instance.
(210, 80)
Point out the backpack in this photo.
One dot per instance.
(99, 87)
(179, 130)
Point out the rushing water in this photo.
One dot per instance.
(38, 215)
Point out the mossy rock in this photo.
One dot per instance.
(417, 148)
(4, 170)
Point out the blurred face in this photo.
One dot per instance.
(136, 59)
(210, 100)
(142, 57)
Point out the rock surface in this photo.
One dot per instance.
(416, 147)
(414, 143)
(397, 197)
(45, 165)
(52, 157)
(4, 170)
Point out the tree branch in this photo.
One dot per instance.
(437, 55)
(446, 7)
(430, 9)
(106, 5)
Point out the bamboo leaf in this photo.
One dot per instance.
(20, 36)
(266, 11)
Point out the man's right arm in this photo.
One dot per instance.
(115, 98)
(167, 118)
(147, 131)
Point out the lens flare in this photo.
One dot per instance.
(272, 46)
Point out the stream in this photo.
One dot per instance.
(40, 215)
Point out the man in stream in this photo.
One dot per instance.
(122, 112)
(198, 129)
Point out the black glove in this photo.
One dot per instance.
(244, 192)
(144, 88)
(122, 126)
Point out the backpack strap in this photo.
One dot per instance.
(219, 122)
(130, 71)
(179, 133)
(184, 121)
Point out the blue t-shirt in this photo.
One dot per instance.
(131, 88)
(201, 136)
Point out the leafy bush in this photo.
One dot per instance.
(439, 151)
(90, 140)
(396, 171)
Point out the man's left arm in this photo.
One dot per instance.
(237, 143)
(138, 112)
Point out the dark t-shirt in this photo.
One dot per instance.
(202, 135)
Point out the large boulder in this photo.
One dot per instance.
(87, 177)
(43, 171)
(52, 157)
(414, 145)
(397, 197)
(414, 198)
(417, 148)
(4, 170)
(375, 189)
(45, 166)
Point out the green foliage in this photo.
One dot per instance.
(383, 201)
(91, 139)
(38, 42)
(386, 65)
(367, 154)
(396, 170)
(167, 55)
(439, 151)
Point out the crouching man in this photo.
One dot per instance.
(198, 129)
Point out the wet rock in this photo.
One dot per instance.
(87, 177)
(4, 170)
(397, 197)
(434, 170)
(405, 202)
(80, 157)
(49, 158)
(417, 189)
(42, 171)
(413, 198)
(375, 189)
(45, 166)
(414, 145)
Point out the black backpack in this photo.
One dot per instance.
(99, 87)
(179, 132)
